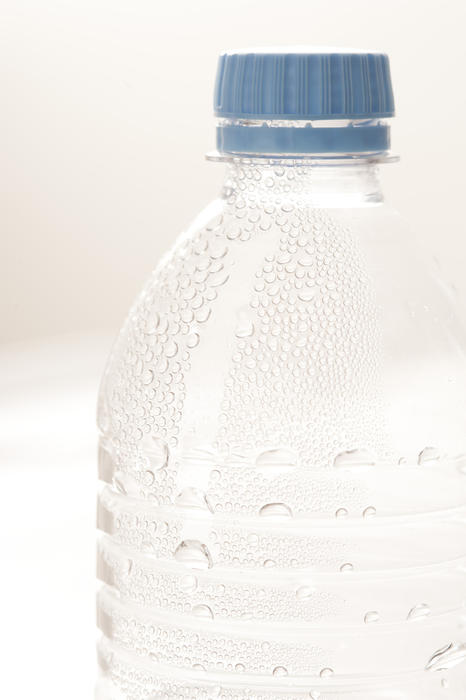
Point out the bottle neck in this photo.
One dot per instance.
(301, 183)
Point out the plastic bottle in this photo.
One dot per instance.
(282, 421)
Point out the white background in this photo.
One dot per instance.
(105, 116)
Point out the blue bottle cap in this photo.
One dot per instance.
(304, 86)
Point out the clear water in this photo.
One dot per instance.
(265, 535)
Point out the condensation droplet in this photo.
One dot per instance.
(149, 478)
(156, 451)
(306, 294)
(191, 497)
(275, 510)
(203, 611)
(429, 456)
(355, 458)
(244, 325)
(326, 673)
(371, 616)
(269, 563)
(193, 554)
(198, 667)
(240, 668)
(217, 279)
(419, 612)
(171, 348)
(447, 657)
(275, 461)
(369, 512)
(341, 513)
(304, 593)
(280, 671)
(314, 695)
(192, 340)
(346, 567)
(188, 583)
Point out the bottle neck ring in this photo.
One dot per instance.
(317, 138)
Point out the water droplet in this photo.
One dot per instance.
(171, 348)
(192, 340)
(444, 683)
(314, 695)
(326, 673)
(191, 497)
(149, 478)
(198, 667)
(341, 513)
(418, 612)
(156, 451)
(244, 326)
(275, 510)
(193, 554)
(355, 458)
(147, 376)
(305, 593)
(280, 671)
(240, 668)
(273, 462)
(188, 583)
(369, 512)
(216, 279)
(346, 567)
(429, 456)
(448, 656)
(307, 294)
(371, 616)
(203, 611)
(269, 563)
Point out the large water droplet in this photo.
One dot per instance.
(276, 461)
(346, 567)
(280, 671)
(192, 340)
(275, 510)
(240, 668)
(429, 456)
(244, 325)
(355, 458)
(341, 513)
(369, 512)
(307, 294)
(371, 617)
(447, 657)
(326, 673)
(193, 554)
(156, 451)
(418, 612)
(203, 611)
(305, 593)
(188, 583)
(191, 497)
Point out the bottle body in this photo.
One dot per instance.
(282, 437)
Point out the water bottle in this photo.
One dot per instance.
(282, 420)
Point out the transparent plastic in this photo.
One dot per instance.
(282, 441)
